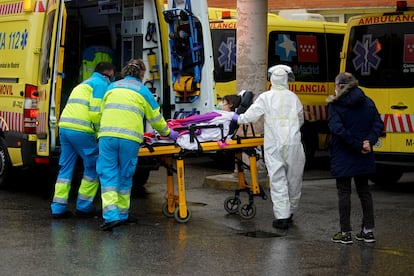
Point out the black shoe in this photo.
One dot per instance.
(129, 220)
(93, 214)
(108, 226)
(281, 224)
(65, 215)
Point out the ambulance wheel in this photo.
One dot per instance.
(177, 215)
(231, 204)
(386, 176)
(165, 211)
(247, 211)
(5, 165)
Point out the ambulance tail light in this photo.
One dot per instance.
(31, 109)
(28, 5)
(225, 15)
(42, 160)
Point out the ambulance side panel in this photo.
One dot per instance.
(20, 41)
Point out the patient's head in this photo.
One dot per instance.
(230, 102)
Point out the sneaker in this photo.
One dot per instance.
(65, 215)
(281, 224)
(344, 238)
(108, 226)
(366, 237)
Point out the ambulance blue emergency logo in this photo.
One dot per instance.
(285, 47)
(227, 58)
(23, 42)
(366, 55)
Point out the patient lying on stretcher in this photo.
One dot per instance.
(211, 126)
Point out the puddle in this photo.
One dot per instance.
(260, 234)
(189, 203)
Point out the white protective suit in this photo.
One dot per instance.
(283, 150)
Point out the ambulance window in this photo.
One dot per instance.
(379, 55)
(47, 41)
(224, 53)
(333, 48)
(304, 52)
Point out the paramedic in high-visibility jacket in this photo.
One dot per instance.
(78, 126)
(126, 104)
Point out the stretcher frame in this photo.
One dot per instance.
(176, 206)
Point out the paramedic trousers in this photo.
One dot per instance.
(285, 165)
(344, 196)
(116, 166)
(75, 144)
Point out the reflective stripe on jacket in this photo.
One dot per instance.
(83, 109)
(125, 105)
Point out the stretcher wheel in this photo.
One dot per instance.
(231, 204)
(177, 215)
(165, 210)
(247, 211)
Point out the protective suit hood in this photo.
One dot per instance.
(279, 75)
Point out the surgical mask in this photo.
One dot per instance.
(109, 78)
(220, 106)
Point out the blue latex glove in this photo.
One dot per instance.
(173, 134)
(235, 117)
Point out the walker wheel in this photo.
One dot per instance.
(165, 210)
(177, 215)
(231, 204)
(247, 211)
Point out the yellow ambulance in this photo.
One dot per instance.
(379, 50)
(310, 47)
(31, 63)
(49, 46)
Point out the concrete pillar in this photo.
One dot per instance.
(251, 45)
(251, 59)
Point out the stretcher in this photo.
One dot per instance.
(176, 205)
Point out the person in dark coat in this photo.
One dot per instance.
(356, 126)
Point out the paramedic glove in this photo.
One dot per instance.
(173, 134)
(235, 117)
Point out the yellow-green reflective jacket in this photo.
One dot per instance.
(91, 57)
(83, 109)
(125, 105)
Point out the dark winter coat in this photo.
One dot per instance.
(352, 118)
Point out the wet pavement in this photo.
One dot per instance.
(213, 242)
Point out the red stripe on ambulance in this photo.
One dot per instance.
(315, 112)
(11, 8)
(398, 122)
(11, 121)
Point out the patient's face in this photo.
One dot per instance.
(226, 106)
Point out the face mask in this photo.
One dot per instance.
(220, 106)
(109, 78)
(336, 92)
